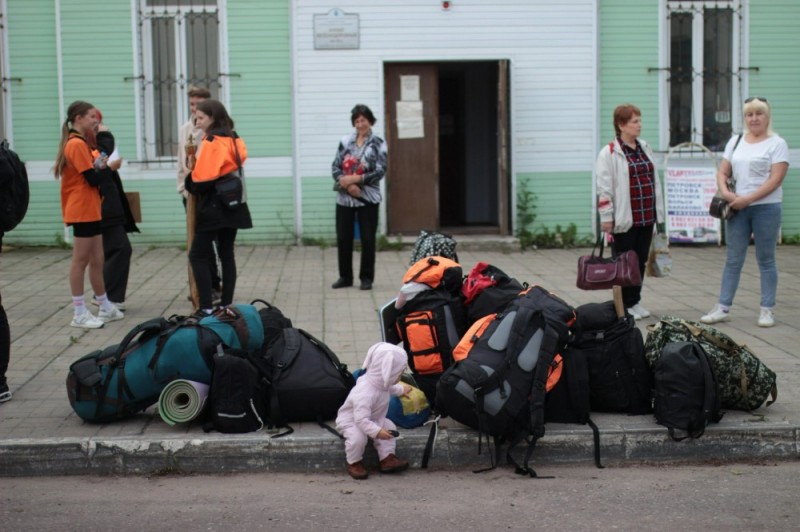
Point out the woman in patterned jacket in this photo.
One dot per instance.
(357, 170)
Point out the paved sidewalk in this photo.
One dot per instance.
(40, 435)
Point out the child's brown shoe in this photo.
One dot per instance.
(392, 464)
(357, 470)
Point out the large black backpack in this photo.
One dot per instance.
(568, 399)
(14, 190)
(238, 394)
(499, 389)
(307, 380)
(620, 380)
(686, 390)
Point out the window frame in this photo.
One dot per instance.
(739, 60)
(145, 93)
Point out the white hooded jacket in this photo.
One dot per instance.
(368, 402)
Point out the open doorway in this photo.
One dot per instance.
(448, 151)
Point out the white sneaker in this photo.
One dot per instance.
(120, 306)
(716, 315)
(632, 311)
(641, 311)
(767, 318)
(111, 315)
(87, 320)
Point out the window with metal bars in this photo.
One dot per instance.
(180, 48)
(702, 78)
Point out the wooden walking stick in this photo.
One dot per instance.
(618, 306)
(191, 210)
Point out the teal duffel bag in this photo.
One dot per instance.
(121, 380)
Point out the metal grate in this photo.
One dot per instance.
(179, 42)
(701, 91)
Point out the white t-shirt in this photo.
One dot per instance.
(752, 164)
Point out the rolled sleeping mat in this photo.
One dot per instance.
(182, 400)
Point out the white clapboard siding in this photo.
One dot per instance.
(551, 47)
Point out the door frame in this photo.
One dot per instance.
(511, 180)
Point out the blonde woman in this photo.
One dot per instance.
(758, 164)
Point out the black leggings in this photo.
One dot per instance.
(5, 343)
(200, 257)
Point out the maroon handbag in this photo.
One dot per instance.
(598, 273)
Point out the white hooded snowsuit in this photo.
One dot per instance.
(363, 414)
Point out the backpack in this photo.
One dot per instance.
(499, 388)
(430, 326)
(272, 320)
(433, 243)
(436, 272)
(620, 380)
(238, 395)
(686, 390)
(14, 189)
(433, 321)
(307, 380)
(487, 290)
(121, 380)
(745, 382)
(567, 399)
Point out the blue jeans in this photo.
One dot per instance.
(763, 222)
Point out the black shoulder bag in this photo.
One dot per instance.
(230, 187)
(719, 207)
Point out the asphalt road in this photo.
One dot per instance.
(724, 497)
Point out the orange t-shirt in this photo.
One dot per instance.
(217, 158)
(80, 201)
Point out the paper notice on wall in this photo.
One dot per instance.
(688, 193)
(409, 88)
(410, 124)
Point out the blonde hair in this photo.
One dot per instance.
(756, 105)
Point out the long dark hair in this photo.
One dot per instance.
(221, 121)
(76, 109)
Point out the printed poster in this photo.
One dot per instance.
(688, 195)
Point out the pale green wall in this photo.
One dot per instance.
(98, 54)
(319, 208)
(774, 48)
(628, 47)
(261, 99)
(562, 198)
(31, 31)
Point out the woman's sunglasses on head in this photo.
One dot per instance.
(759, 98)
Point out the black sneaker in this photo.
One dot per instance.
(5, 393)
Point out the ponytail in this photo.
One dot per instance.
(76, 109)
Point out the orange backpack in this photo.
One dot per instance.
(436, 272)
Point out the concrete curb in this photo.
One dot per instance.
(313, 449)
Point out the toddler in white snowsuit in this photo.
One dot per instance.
(362, 417)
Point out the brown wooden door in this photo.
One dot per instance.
(412, 181)
(502, 145)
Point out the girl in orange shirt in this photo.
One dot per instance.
(221, 152)
(80, 208)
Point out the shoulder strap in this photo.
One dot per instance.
(737, 142)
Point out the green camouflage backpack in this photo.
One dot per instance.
(744, 381)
